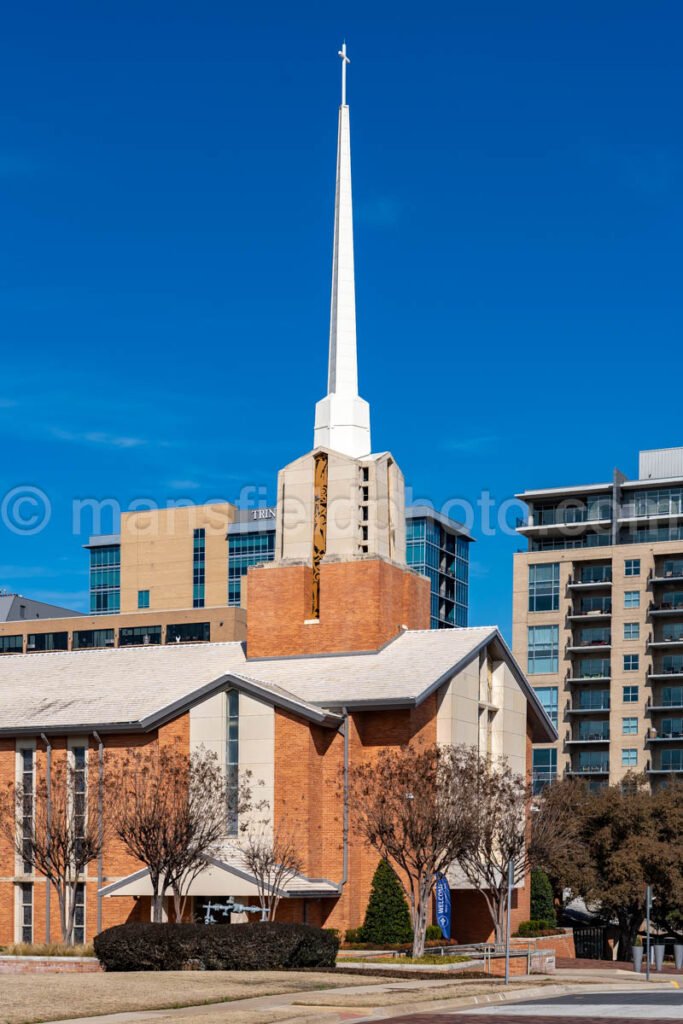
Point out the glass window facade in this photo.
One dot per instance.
(672, 760)
(87, 638)
(632, 567)
(143, 598)
(47, 642)
(443, 557)
(631, 694)
(632, 599)
(11, 644)
(245, 549)
(629, 757)
(593, 761)
(631, 662)
(105, 579)
(629, 726)
(660, 501)
(588, 540)
(198, 567)
(548, 698)
(544, 649)
(188, 632)
(133, 636)
(631, 631)
(544, 587)
(544, 767)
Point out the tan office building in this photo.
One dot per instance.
(598, 621)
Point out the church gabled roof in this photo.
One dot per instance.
(140, 688)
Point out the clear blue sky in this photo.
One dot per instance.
(166, 196)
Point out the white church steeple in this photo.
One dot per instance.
(342, 418)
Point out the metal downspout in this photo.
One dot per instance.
(345, 813)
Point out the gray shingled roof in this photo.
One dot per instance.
(138, 687)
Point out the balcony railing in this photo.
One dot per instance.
(591, 701)
(590, 768)
(672, 569)
(593, 606)
(594, 574)
(668, 602)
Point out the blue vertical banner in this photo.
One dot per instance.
(443, 905)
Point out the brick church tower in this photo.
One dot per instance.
(339, 581)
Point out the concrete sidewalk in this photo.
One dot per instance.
(364, 1003)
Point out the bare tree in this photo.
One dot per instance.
(171, 810)
(409, 806)
(499, 831)
(55, 828)
(271, 856)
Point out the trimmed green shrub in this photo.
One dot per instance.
(433, 933)
(542, 902)
(220, 947)
(387, 918)
(354, 935)
(533, 929)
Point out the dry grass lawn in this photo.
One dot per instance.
(29, 998)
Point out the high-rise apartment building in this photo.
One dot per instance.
(598, 621)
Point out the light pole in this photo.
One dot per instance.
(511, 873)
(648, 911)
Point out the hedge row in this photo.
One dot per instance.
(218, 947)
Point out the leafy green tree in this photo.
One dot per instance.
(387, 918)
(621, 839)
(542, 903)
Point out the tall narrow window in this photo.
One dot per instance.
(79, 793)
(27, 784)
(232, 759)
(26, 889)
(79, 915)
(198, 567)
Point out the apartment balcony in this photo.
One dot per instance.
(668, 604)
(671, 668)
(670, 699)
(582, 707)
(591, 609)
(666, 512)
(666, 640)
(599, 768)
(565, 522)
(674, 735)
(600, 645)
(596, 733)
(583, 585)
(668, 572)
(673, 766)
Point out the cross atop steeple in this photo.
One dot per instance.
(342, 418)
(345, 60)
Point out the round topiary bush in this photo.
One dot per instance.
(221, 947)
